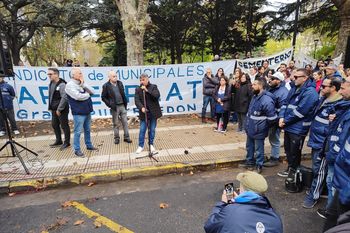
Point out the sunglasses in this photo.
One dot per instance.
(300, 76)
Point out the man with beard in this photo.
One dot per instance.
(261, 115)
(295, 118)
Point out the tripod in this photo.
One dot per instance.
(148, 125)
(14, 151)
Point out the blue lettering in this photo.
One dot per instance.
(171, 71)
(174, 88)
(39, 75)
(194, 90)
(22, 114)
(180, 108)
(160, 71)
(96, 96)
(44, 96)
(134, 74)
(178, 72)
(200, 70)
(190, 70)
(127, 91)
(22, 96)
(27, 72)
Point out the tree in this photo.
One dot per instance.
(20, 19)
(343, 7)
(135, 20)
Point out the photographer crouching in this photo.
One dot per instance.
(248, 211)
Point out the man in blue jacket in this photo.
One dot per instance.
(8, 94)
(78, 93)
(341, 201)
(209, 85)
(249, 211)
(280, 92)
(327, 105)
(261, 115)
(296, 116)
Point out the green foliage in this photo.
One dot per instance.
(273, 46)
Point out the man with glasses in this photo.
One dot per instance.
(58, 105)
(281, 93)
(209, 85)
(295, 118)
(330, 101)
(79, 98)
(113, 96)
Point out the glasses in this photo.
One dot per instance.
(49, 74)
(300, 76)
(324, 86)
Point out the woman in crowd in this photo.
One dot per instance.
(318, 75)
(222, 96)
(242, 94)
(219, 73)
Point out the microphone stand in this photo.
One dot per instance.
(148, 125)
(14, 151)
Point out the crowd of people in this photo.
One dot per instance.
(312, 101)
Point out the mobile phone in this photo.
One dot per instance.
(229, 188)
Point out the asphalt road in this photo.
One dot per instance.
(135, 205)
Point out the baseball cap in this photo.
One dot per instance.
(278, 75)
(253, 181)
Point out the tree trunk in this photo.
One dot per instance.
(344, 30)
(135, 19)
(16, 57)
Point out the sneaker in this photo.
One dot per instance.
(223, 131)
(215, 129)
(16, 132)
(56, 144)
(79, 154)
(139, 150)
(272, 162)
(322, 213)
(246, 165)
(152, 148)
(309, 203)
(2, 133)
(92, 148)
(307, 192)
(283, 173)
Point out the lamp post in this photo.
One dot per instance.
(316, 42)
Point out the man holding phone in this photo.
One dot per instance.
(249, 211)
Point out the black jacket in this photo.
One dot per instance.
(227, 97)
(108, 94)
(209, 84)
(58, 100)
(152, 101)
(242, 97)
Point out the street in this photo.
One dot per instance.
(135, 205)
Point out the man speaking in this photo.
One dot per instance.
(147, 101)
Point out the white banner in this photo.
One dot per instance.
(301, 60)
(180, 87)
(274, 60)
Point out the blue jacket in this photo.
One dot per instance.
(299, 108)
(281, 94)
(248, 212)
(261, 115)
(337, 135)
(80, 107)
(320, 125)
(8, 94)
(341, 179)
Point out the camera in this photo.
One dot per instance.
(229, 189)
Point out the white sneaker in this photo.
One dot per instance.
(2, 133)
(16, 132)
(153, 149)
(139, 150)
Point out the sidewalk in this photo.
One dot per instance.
(206, 150)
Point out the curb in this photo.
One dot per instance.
(115, 175)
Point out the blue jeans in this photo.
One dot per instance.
(143, 128)
(206, 100)
(274, 138)
(255, 146)
(319, 169)
(80, 122)
(329, 181)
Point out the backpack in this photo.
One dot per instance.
(294, 181)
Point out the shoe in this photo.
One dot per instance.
(309, 203)
(64, 146)
(16, 132)
(223, 131)
(307, 192)
(271, 163)
(259, 169)
(116, 141)
(2, 133)
(152, 148)
(91, 148)
(246, 165)
(79, 154)
(139, 150)
(283, 173)
(322, 213)
(215, 129)
(56, 144)
(128, 140)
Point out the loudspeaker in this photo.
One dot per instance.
(347, 54)
(6, 66)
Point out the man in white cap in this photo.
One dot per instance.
(249, 211)
(281, 94)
